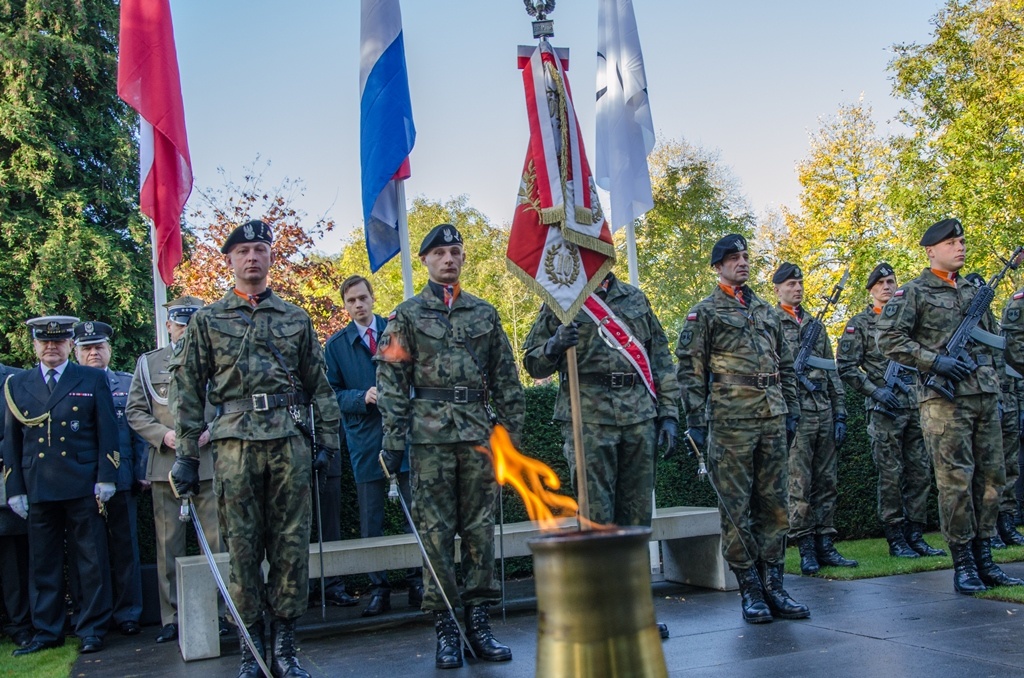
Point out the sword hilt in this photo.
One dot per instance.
(183, 514)
(393, 489)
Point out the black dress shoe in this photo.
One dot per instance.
(340, 598)
(22, 638)
(91, 644)
(663, 631)
(129, 628)
(379, 602)
(168, 633)
(37, 646)
(416, 595)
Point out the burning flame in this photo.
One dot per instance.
(532, 479)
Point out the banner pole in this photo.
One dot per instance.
(159, 293)
(577, 437)
(403, 237)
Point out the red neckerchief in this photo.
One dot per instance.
(734, 292)
(792, 311)
(876, 309)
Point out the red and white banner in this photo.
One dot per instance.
(618, 332)
(560, 244)
(148, 80)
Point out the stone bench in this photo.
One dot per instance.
(689, 536)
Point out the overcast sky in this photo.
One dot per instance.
(747, 78)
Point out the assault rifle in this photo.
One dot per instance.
(968, 332)
(893, 379)
(804, 357)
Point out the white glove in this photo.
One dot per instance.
(104, 491)
(19, 504)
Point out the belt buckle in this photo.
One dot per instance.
(461, 395)
(762, 381)
(260, 403)
(618, 379)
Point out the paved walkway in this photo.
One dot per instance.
(908, 625)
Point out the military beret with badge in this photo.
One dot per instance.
(787, 271)
(730, 244)
(883, 270)
(250, 231)
(441, 235)
(942, 230)
(52, 327)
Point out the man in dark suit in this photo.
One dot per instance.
(13, 554)
(92, 349)
(61, 456)
(353, 376)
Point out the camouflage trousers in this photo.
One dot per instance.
(1010, 425)
(263, 488)
(965, 442)
(454, 492)
(747, 463)
(904, 468)
(813, 476)
(620, 470)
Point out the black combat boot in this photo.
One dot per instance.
(996, 542)
(283, 663)
(480, 637)
(808, 556)
(249, 667)
(914, 533)
(898, 546)
(827, 554)
(965, 572)
(1007, 532)
(449, 645)
(779, 602)
(755, 609)
(990, 573)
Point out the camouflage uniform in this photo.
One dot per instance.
(1013, 390)
(428, 346)
(963, 436)
(262, 460)
(813, 462)
(747, 456)
(897, 447)
(1010, 427)
(619, 415)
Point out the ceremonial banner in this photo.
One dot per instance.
(148, 81)
(625, 131)
(560, 244)
(386, 130)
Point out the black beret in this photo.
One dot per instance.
(440, 236)
(942, 230)
(92, 332)
(728, 245)
(52, 327)
(883, 270)
(787, 271)
(250, 231)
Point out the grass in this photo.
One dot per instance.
(55, 663)
(875, 561)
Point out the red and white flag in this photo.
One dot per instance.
(148, 80)
(560, 244)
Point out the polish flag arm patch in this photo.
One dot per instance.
(899, 293)
(691, 316)
(1019, 295)
(850, 329)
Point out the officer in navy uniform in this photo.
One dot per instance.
(92, 348)
(13, 554)
(61, 453)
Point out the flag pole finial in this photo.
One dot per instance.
(543, 27)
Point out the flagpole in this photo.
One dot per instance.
(403, 237)
(159, 293)
(582, 496)
(634, 271)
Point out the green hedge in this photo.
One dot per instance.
(677, 484)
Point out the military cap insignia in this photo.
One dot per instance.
(885, 272)
(685, 337)
(448, 237)
(75, 425)
(1013, 315)
(248, 231)
(90, 328)
(691, 316)
(115, 459)
(52, 327)
(739, 244)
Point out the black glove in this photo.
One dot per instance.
(840, 429)
(697, 435)
(391, 460)
(564, 338)
(886, 397)
(792, 421)
(184, 476)
(667, 436)
(953, 369)
(322, 460)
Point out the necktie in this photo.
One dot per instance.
(449, 295)
(51, 379)
(371, 341)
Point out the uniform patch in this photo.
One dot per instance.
(1019, 295)
(899, 293)
(890, 310)
(845, 344)
(691, 316)
(685, 337)
(1013, 314)
(74, 425)
(850, 329)
(394, 314)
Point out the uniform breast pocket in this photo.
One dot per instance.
(939, 313)
(287, 335)
(638, 327)
(228, 325)
(730, 329)
(431, 326)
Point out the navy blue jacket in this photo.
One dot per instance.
(133, 448)
(351, 372)
(64, 457)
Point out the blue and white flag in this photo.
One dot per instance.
(386, 130)
(625, 131)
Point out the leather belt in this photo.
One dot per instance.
(761, 381)
(458, 395)
(613, 380)
(261, 402)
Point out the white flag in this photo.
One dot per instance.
(625, 132)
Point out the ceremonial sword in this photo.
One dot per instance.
(426, 558)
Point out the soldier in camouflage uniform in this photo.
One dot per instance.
(813, 459)
(736, 374)
(894, 424)
(1013, 330)
(443, 361)
(962, 435)
(257, 359)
